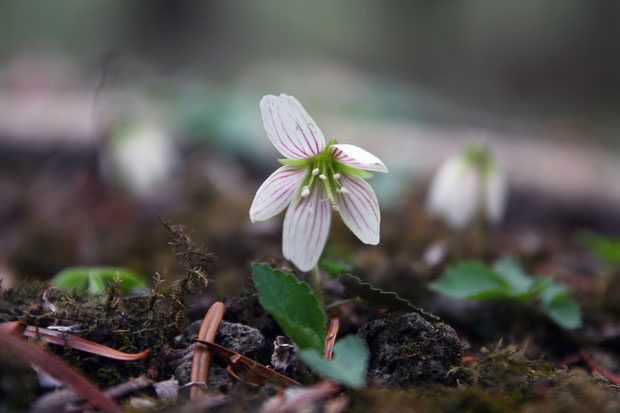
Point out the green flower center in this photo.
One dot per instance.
(324, 170)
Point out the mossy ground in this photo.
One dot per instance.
(525, 372)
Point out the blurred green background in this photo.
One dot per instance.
(550, 64)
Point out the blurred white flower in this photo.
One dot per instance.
(468, 184)
(316, 178)
(142, 157)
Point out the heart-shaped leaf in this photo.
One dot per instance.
(293, 305)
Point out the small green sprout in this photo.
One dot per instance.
(95, 279)
(605, 248)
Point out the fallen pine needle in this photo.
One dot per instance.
(79, 343)
(12, 342)
(244, 368)
(593, 366)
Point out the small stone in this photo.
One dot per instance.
(242, 339)
(167, 390)
(238, 337)
(142, 403)
(406, 349)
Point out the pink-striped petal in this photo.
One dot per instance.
(357, 157)
(306, 226)
(276, 192)
(359, 208)
(290, 128)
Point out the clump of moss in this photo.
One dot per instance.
(197, 262)
(577, 392)
(504, 370)
(126, 323)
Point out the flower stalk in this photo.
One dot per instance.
(317, 285)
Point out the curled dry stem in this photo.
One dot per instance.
(202, 355)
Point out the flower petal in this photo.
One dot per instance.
(276, 192)
(290, 128)
(357, 157)
(455, 192)
(306, 226)
(359, 209)
(496, 194)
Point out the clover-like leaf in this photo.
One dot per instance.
(95, 279)
(523, 287)
(379, 298)
(293, 305)
(348, 366)
(472, 280)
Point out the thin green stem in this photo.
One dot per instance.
(479, 230)
(336, 304)
(317, 286)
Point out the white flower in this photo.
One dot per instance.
(143, 157)
(315, 179)
(467, 184)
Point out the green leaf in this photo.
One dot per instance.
(293, 305)
(523, 287)
(333, 267)
(96, 284)
(348, 366)
(512, 272)
(559, 306)
(472, 280)
(96, 279)
(379, 298)
(538, 285)
(606, 249)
